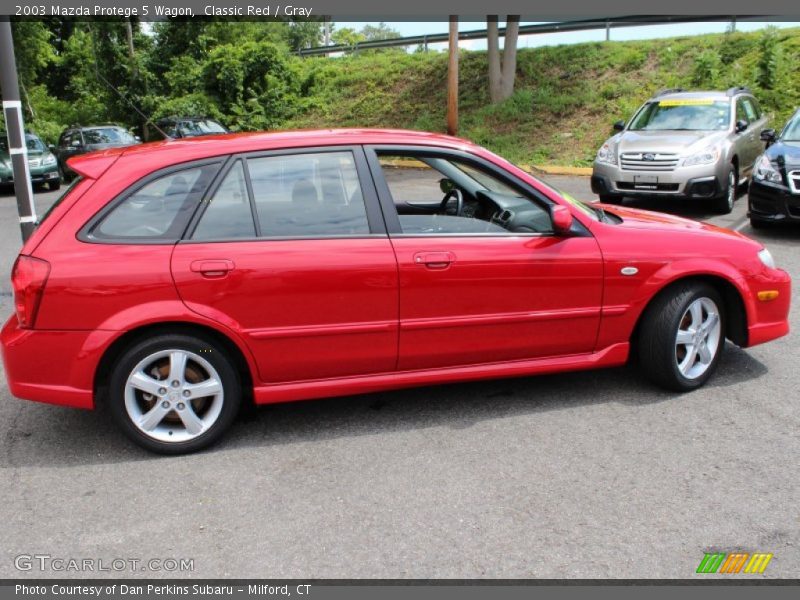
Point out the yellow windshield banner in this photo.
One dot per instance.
(687, 102)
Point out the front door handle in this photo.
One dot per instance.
(434, 260)
(212, 268)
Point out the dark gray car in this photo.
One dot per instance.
(80, 140)
(699, 145)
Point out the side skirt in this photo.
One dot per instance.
(612, 356)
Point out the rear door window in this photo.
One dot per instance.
(229, 214)
(315, 194)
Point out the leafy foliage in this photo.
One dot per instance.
(246, 75)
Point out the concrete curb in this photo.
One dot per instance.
(557, 170)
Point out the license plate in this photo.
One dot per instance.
(645, 179)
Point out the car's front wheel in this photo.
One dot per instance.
(174, 394)
(682, 336)
(723, 204)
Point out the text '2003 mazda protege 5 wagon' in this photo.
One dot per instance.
(173, 280)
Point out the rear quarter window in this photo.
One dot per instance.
(155, 211)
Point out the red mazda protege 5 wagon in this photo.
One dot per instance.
(174, 280)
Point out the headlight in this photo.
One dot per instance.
(49, 160)
(607, 153)
(766, 257)
(764, 171)
(704, 157)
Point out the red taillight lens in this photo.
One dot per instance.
(28, 278)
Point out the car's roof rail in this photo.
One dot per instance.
(739, 89)
(668, 91)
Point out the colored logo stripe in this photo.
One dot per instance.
(758, 563)
(734, 563)
(714, 562)
(710, 562)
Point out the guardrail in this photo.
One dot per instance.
(558, 27)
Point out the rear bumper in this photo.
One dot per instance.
(56, 367)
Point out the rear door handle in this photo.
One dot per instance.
(434, 260)
(212, 268)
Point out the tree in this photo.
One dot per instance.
(347, 37)
(303, 33)
(502, 74)
(381, 31)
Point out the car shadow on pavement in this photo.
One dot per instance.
(778, 232)
(49, 436)
(699, 210)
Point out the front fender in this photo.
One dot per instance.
(620, 318)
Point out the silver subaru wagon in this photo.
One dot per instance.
(699, 145)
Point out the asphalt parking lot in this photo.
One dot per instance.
(584, 475)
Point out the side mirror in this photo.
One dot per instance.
(562, 218)
(76, 144)
(741, 125)
(619, 125)
(768, 135)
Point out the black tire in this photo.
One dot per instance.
(723, 204)
(659, 329)
(610, 199)
(197, 345)
(55, 185)
(759, 224)
(64, 174)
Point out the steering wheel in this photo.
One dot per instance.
(454, 193)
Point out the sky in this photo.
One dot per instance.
(408, 28)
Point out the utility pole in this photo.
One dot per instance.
(15, 130)
(452, 79)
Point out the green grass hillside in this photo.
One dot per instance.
(566, 97)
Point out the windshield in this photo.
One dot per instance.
(585, 208)
(683, 115)
(791, 133)
(204, 127)
(107, 135)
(34, 143)
(485, 180)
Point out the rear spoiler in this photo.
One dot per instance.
(94, 164)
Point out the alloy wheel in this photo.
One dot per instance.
(173, 395)
(698, 338)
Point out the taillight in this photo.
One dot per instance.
(28, 278)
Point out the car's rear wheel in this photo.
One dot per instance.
(723, 204)
(682, 336)
(55, 185)
(174, 394)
